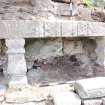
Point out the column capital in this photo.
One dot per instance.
(15, 46)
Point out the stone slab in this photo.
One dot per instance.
(45, 28)
(25, 95)
(82, 29)
(28, 103)
(66, 98)
(63, 9)
(91, 87)
(72, 46)
(92, 102)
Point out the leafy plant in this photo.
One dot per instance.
(89, 3)
(95, 3)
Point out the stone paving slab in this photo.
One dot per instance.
(56, 28)
(91, 88)
(24, 95)
(66, 98)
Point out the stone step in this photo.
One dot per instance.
(91, 87)
(66, 98)
(24, 95)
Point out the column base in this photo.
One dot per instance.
(25, 95)
(17, 81)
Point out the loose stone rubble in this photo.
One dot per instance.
(52, 95)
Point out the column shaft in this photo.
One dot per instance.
(16, 63)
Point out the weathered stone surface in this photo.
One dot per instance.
(30, 29)
(14, 1)
(2, 92)
(24, 95)
(92, 102)
(19, 13)
(84, 13)
(43, 48)
(63, 9)
(4, 103)
(32, 103)
(25, 28)
(72, 46)
(42, 10)
(69, 29)
(91, 88)
(100, 50)
(66, 98)
(52, 29)
(16, 58)
(27, 103)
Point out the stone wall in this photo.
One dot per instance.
(45, 9)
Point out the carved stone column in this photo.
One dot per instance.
(16, 63)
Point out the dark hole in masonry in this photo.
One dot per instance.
(62, 59)
(62, 1)
(3, 63)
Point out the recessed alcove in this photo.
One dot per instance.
(57, 60)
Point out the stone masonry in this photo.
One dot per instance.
(18, 84)
(24, 19)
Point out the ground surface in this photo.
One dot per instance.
(62, 70)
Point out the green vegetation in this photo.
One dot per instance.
(95, 3)
(88, 2)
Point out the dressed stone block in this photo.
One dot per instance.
(91, 88)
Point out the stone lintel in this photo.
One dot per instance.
(43, 29)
